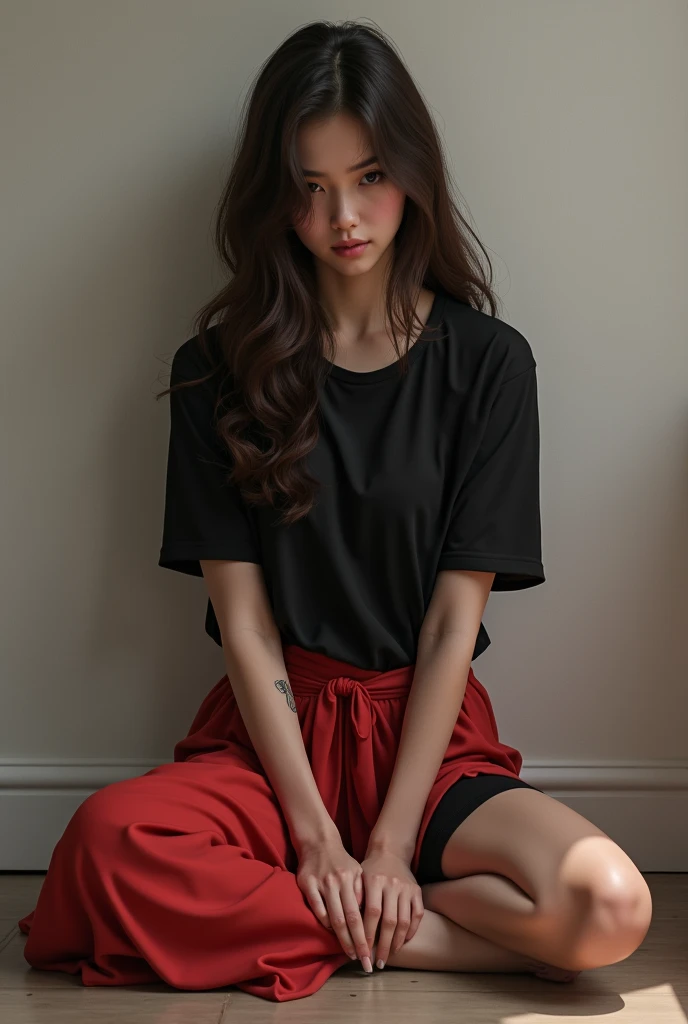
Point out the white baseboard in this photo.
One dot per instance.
(642, 806)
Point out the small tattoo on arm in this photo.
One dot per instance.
(284, 687)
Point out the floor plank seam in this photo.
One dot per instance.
(14, 931)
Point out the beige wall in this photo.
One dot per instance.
(566, 128)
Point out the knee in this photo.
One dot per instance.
(613, 915)
(95, 818)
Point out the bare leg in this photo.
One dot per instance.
(441, 944)
(500, 907)
(526, 872)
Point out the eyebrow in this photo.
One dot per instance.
(356, 167)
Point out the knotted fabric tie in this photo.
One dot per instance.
(362, 709)
(347, 753)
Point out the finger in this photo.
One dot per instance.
(318, 907)
(338, 918)
(373, 905)
(390, 900)
(417, 911)
(358, 888)
(403, 921)
(352, 913)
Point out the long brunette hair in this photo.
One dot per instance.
(271, 333)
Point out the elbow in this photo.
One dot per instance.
(240, 600)
(458, 603)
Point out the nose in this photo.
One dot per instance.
(343, 216)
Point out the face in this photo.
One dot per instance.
(346, 203)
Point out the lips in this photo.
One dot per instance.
(350, 245)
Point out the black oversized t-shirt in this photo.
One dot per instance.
(434, 470)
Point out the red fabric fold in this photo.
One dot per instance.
(187, 874)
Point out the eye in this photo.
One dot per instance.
(381, 175)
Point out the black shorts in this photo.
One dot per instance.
(454, 807)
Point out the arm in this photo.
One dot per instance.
(208, 532)
(495, 525)
(252, 647)
(445, 647)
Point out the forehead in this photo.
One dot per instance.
(333, 145)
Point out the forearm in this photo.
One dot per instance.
(433, 706)
(254, 663)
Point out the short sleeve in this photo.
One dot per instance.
(205, 515)
(495, 521)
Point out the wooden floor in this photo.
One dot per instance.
(650, 987)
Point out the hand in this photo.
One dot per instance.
(331, 880)
(390, 887)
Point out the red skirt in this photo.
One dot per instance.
(187, 874)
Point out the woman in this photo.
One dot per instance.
(350, 503)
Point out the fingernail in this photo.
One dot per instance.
(353, 956)
(367, 966)
(380, 964)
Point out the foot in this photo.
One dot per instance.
(550, 973)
